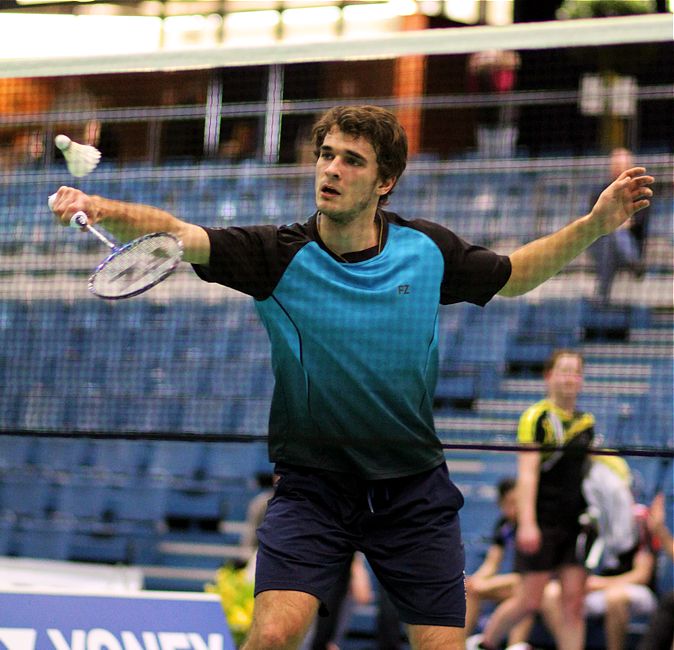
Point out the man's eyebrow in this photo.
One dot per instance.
(348, 152)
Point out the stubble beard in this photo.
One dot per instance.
(345, 217)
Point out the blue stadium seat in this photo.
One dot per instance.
(44, 538)
(558, 319)
(457, 389)
(54, 455)
(15, 451)
(525, 354)
(7, 523)
(248, 416)
(602, 321)
(480, 346)
(140, 499)
(205, 415)
(93, 411)
(43, 410)
(20, 380)
(542, 327)
(26, 494)
(105, 543)
(160, 414)
(85, 497)
(177, 460)
(236, 500)
(231, 462)
(110, 457)
(196, 502)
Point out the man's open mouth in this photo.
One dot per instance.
(326, 189)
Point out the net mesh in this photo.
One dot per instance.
(506, 145)
(120, 421)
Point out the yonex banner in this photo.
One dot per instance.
(146, 621)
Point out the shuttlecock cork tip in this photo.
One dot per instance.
(62, 142)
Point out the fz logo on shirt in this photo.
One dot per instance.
(404, 289)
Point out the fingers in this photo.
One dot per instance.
(632, 172)
(636, 182)
(640, 193)
(642, 181)
(635, 176)
(66, 202)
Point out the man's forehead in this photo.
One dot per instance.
(568, 361)
(337, 139)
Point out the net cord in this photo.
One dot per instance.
(648, 28)
(618, 450)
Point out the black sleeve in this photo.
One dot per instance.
(251, 259)
(472, 273)
(497, 534)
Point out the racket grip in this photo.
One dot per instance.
(79, 220)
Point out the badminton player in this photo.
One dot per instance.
(350, 300)
(549, 504)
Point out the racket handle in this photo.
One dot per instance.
(79, 220)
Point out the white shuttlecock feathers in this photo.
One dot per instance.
(81, 159)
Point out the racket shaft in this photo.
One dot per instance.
(80, 220)
(100, 235)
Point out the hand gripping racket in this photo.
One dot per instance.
(131, 268)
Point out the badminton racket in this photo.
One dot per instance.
(131, 268)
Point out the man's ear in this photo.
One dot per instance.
(385, 186)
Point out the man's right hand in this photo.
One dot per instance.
(528, 538)
(67, 201)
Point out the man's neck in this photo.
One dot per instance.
(567, 405)
(356, 235)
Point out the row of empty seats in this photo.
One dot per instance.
(185, 367)
(116, 501)
(87, 514)
(482, 206)
(186, 460)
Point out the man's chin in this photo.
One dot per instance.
(330, 212)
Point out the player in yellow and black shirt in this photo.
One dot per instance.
(550, 501)
(564, 437)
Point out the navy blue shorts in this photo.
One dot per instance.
(558, 549)
(408, 528)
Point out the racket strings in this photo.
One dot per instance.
(137, 266)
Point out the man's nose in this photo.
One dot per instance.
(333, 169)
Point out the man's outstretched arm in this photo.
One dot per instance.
(539, 260)
(128, 220)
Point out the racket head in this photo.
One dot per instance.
(136, 266)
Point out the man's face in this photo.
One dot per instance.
(565, 380)
(347, 177)
(621, 159)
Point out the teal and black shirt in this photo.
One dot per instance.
(354, 340)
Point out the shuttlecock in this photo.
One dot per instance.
(80, 158)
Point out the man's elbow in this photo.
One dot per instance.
(514, 287)
(508, 292)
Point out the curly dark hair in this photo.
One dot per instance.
(378, 126)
